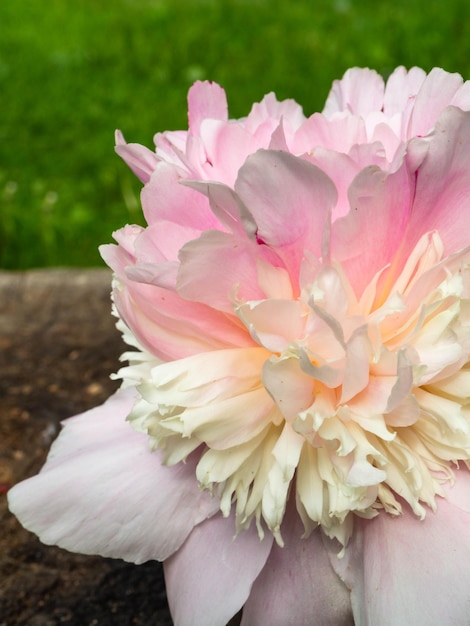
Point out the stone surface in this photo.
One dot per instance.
(58, 345)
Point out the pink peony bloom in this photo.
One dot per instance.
(299, 388)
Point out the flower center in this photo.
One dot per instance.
(352, 405)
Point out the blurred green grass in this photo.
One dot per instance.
(71, 71)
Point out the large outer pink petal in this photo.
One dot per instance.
(407, 571)
(298, 585)
(102, 491)
(209, 579)
(290, 200)
(288, 197)
(442, 199)
(370, 235)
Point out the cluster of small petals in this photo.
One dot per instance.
(300, 299)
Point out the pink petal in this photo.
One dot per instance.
(267, 181)
(217, 269)
(274, 322)
(161, 320)
(270, 109)
(369, 237)
(437, 91)
(458, 494)
(164, 198)
(401, 89)
(163, 241)
(226, 206)
(462, 97)
(173, 328)
(291, 222)
(209, 579)
(119, 257)
(140, 159)
(157, 249)
(342, 169)
(278, 139)
(206, 100)
(360, 91)
(226, 146)
(406, 571)
(442, 199)
(298, 585)
(337, 134)
(102, 491)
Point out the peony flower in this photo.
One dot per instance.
(292, 435)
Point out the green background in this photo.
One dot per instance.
(71, 71)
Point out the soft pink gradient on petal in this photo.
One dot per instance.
(368, 238)
(170, 327)
(266, 114)
(140, 159)
(164, 198)
(206, 100)
(458, 494)
(210, 577)
(442, 189)
(359, 92)
(226, 146)
(401, 89)
(294, 222)
(102, 491)
(298, 584)
(403, 570)
(437, 91)
(267, 178)
(202, 278)
(338, 134)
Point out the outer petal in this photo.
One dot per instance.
(370, 235)
(172, 328)
(269, 111)
(268, 179)
(442, 200)
(401, 89)
(209, 579)
(298, 585)
(437, 91)
(295, 222)
(164, 198)
(406, 571)
(217, 268)
(102, 491)
(337, 134)
(360, 91)
(226, 146)
(140, 159)
(206, 100)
